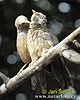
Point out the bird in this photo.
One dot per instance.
(22, 26)
(40, 40)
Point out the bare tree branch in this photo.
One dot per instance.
(4, 77)
(72, 56)
(77, 44)
(60, 49)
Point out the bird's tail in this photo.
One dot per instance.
(62, 73)
(38, 81)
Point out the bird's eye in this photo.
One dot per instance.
(37, 14)
(23, 23)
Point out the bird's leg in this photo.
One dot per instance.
(21, 69)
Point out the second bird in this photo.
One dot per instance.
(40, 39)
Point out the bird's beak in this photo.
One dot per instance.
(34, 12)
(27, 22)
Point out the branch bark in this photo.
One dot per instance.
(76, 43)
(4, 77)
(60, 49)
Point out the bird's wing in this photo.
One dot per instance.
(51, 36)
(46, 37)
(60, 69)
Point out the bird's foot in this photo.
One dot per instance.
(32, 63)
(21, 69)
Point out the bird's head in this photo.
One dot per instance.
(38, 18)
(21, 21)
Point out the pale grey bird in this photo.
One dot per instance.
(40, 39)
(22, 25)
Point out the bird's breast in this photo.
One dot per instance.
(22, 48)
(39, 42)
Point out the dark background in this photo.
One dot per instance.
(63, 17)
